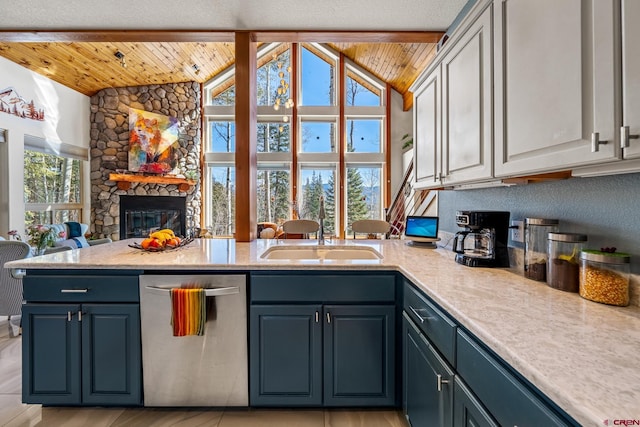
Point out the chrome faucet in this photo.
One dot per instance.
(321, 216)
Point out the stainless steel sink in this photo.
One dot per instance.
(321, 253)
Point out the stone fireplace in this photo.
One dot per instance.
(109, 152)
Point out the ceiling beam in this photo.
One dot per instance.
(293, 36)
(407, 101)
(349, 36)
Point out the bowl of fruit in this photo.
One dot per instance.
(161, 240)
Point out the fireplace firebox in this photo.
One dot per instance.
(140, 215)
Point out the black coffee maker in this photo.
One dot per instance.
(483, 243)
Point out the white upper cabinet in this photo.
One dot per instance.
(453, 113)
(467, 135)
(426, 121)
(631, 78)
(555, 86)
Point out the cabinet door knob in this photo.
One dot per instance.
(441, 381)
(625, 136)
(595, 142)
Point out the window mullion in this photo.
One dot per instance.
(342, 147)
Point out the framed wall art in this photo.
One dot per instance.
(153, 141)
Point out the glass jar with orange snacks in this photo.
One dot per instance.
(604, 277)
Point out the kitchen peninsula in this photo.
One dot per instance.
(582, 355)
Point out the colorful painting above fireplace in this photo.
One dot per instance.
(153, 139)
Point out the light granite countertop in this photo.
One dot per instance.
(583, 355)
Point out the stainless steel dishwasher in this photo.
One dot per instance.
(208, 370)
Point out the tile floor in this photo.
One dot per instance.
(13, 413)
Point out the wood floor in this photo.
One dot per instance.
(13, 413)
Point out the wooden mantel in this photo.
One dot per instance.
(124, 180)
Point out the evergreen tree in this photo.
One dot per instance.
(311, 197)
(220, 209)
(356, 201)
(330, 205)
(33, 114)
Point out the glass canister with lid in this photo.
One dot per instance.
(536, 231)
(563, 265)
(604, 277)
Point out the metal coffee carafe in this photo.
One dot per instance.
(483, 242)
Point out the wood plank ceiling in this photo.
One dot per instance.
(88, 67)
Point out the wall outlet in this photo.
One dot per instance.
(517, 231)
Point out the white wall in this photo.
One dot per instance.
(66, 121)
(401, 124)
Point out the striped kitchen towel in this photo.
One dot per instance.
(188, 311)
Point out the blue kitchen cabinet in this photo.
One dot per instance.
(428, 381)
(509, 400)
(475, 387)
(467, 410)
(81, 354)
(359, 355)
(286, 356)
(86, 351)
(322, 339)
(50, 354)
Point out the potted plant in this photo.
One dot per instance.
(40, 238)
(407, 142)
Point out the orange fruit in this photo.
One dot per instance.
(146, 242)
(155, 243)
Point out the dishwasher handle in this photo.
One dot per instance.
(210, 292)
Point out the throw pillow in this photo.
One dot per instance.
(74, 229)
(73, 243)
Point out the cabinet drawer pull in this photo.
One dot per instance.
(625, 137)
(422, 318)
(441, 381)
(74, 291)
(595, 142)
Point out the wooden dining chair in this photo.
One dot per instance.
(301, 227)
(371, 227)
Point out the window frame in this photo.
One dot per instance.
(295, 159)
(67, 151)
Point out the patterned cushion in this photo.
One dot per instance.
(74, 242)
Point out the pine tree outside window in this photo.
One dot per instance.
(317, 181)
(221, 197)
